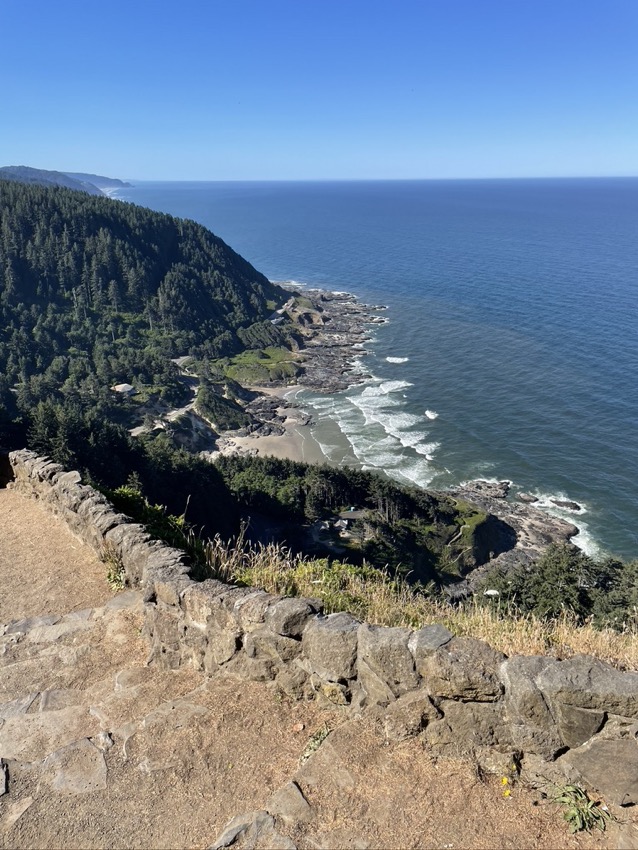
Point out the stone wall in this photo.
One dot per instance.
(557, 721)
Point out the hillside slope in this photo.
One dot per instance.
(44, 177)
(98, 290)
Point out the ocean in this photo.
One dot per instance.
(510, 349)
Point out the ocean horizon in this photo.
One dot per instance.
(510, 349)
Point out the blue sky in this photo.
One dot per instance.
(320, 89)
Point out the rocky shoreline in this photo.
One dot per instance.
(335, 341)
(335, 327)
(534, 529)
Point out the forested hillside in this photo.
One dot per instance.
(95, 292)
(43, 177)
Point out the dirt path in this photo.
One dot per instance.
(40, 562)
(101, 751)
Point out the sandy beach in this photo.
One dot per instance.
(296, 443)
(335, 327)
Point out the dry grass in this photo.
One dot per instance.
(376, 598)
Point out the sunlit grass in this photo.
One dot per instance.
(377, 598)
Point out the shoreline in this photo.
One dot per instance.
(296, 443)
(334, 328)
(335, 344)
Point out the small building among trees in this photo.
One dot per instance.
(125, 390)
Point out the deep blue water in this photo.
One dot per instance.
(514, 302)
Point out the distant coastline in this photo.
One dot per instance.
(508, 299)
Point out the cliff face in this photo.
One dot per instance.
(556, 721)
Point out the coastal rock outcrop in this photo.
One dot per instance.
(533, 528)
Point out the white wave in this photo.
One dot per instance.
(290, 284)
(418, 473)
(403, 420)
(431, 414)
(397, 359)
(469, 481)
(327, 449)
(585, 541)
(427, 449)
(547, 501)
(386, 387)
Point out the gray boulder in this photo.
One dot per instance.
(609, 766)
(330, 646)
(532, 724)
(385, 652)
(586, 682)
(465, 669)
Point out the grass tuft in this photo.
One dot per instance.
(380, 599)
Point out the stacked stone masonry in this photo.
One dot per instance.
(574, 720)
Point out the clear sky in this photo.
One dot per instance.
(316, 89)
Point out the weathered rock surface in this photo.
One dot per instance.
(289, 804)
(330, 646)
(532, 725)
(610, 767)
(586, 682)
(384, 652)
(409, 716)
(464, 669)
(65, 724)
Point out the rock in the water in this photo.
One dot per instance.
(491, 489)
(566, 504)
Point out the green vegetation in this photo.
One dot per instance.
(565, 579)
(224, 413)
(42, 177)
(581, 813)
(376, 596)
(115, 567)
(404, 530)
(258, 367)
(95, 292)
